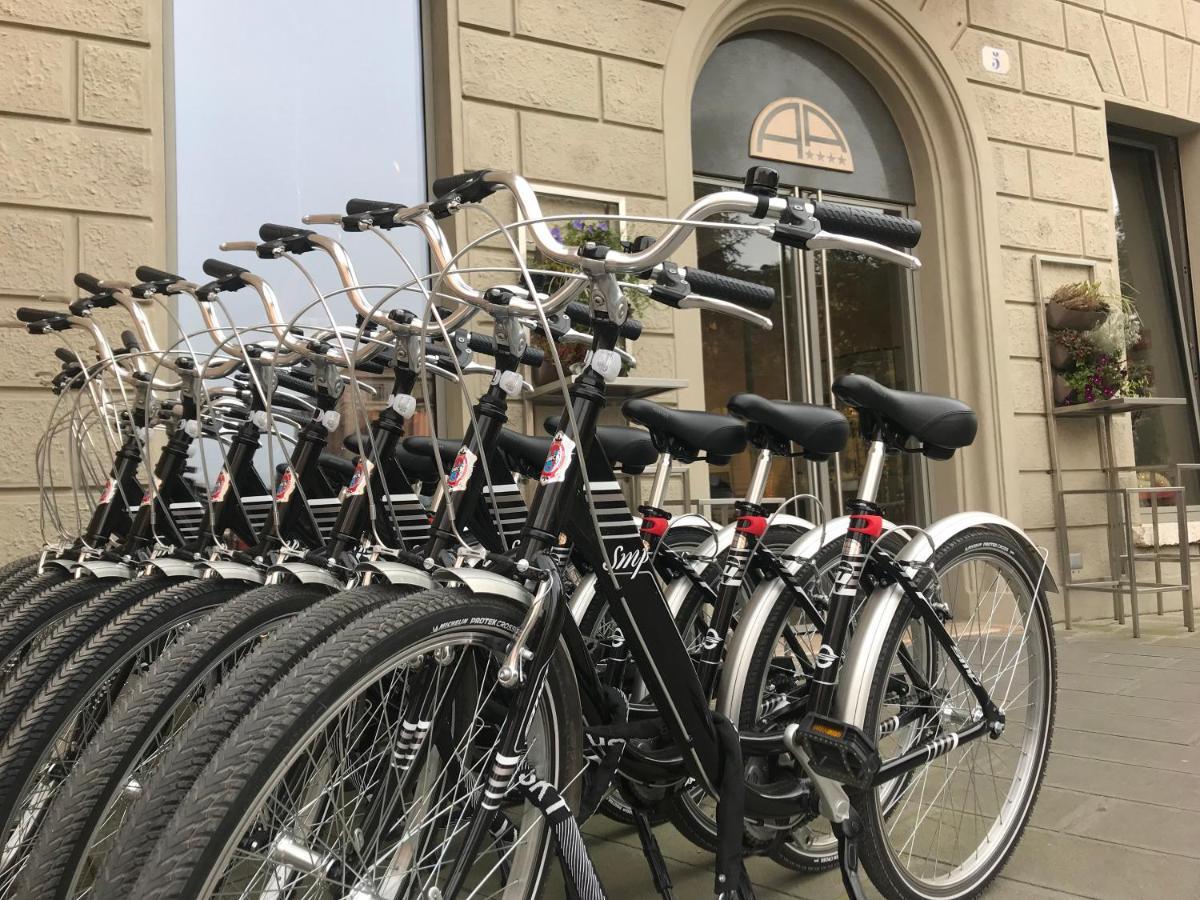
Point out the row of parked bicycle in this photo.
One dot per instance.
(246, 665)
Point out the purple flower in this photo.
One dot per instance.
(603, 226)
(556, 232)
(577, 224)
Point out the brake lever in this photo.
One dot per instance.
(474, 368)
(725, 308)
(442, 373)
(571, 336)
(322, 219)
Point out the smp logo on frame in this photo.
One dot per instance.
(629, 560)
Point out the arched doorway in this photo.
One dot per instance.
(961, 319)
(780, 99)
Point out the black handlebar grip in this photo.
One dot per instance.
(734, 290)
(28, 314)
(448, 184)
(297, 385)
(132, 344)
(580, 314)
(533, 357)
(482, 343)
(272, 232)
(218, 268)
(149, 273)
(89, 283)
(358, 206)
(285, 402)
(68, 357)
(370, 366)
(854, 221)
(468, 186)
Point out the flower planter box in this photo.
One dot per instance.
(1060, 318)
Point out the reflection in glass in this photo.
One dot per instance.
(1161, 437)
(866, 329)
(861, 313)
(739, 357)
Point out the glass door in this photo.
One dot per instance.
(839, 312)
(862, 310)
(1151, 256)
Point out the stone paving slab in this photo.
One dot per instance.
(1119, 813)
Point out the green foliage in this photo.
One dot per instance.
(576, 233)
(1100, 369)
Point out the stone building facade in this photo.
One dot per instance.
(1009, 165)
(82, 187)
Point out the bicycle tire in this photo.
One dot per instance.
(248, 683)
(183, 861)
(878, 824)
(44, 620)
(114, 630)
(95, 785)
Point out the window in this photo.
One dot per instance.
(1152, 258)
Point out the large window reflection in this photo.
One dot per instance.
(1148, 259)
(839, 312)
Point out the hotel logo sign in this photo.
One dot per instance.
(794, 130)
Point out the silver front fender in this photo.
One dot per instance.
(582, 598)
(229, 570)
(171, 567)
(480, 581)
(99, 568)
(754, 614)
(302, 572)
(854, 684)
(395, 573)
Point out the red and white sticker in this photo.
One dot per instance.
(221, 488)
(149, 494)
(110, 488)
(460, 472)
(287, 485)
(362, 474)
(558, 460)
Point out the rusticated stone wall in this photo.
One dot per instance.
(82, 187)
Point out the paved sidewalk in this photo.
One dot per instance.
(1118, 816)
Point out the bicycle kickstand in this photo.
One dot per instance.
(847, 838)
(658, 865)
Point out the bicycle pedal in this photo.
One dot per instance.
(839, 751)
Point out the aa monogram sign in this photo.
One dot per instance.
(795, 130)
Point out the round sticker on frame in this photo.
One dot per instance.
(558, 460)
(460, 473)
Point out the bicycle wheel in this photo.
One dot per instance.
(956, 820)
(203, 735)
(60, 720)
(141, 729)
(17, 572)
(691, 810)
(30, 585)
(36, 641)
(312, 794)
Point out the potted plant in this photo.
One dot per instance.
(1092, 364)
(1104, 377)
(1080, 306)
(1069, 347)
